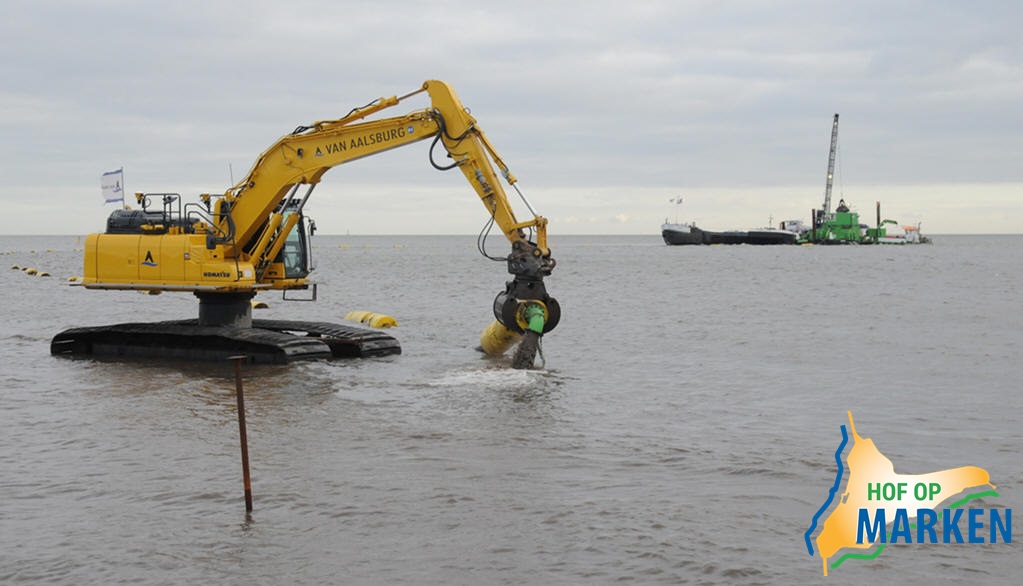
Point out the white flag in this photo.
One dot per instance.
(112, 185)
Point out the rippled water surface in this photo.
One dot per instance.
(682, 429)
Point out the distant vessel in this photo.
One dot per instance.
(843, 225)
(677, 234)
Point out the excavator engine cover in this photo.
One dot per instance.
(132, 222)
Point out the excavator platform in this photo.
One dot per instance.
(266, 342)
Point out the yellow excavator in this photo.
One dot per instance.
(225, 249)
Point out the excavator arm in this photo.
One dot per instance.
(257, 208)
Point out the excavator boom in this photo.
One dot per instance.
(251, 222)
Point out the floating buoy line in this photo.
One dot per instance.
(31, 271)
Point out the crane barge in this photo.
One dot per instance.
(253, 238)
(841, 226)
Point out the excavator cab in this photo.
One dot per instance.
(296, 255)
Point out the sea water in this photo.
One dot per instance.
(682, 428)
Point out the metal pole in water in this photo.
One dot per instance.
(238, 360)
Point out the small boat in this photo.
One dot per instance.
(909, 235)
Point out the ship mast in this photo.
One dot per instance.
(831, 167)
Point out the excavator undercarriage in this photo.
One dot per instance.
(265, 342)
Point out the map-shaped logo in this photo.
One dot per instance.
(871, 506)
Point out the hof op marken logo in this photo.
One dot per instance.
(877, 506)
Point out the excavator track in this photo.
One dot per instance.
(266, 342)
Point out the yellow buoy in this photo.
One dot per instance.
(496, 339)
(30, 271)
(72, 279)
(43, 274)
(259, 304)
(374, 320)
(382, 321)
(356, 315)
(16, 267)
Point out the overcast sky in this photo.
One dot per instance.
(604, 110)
